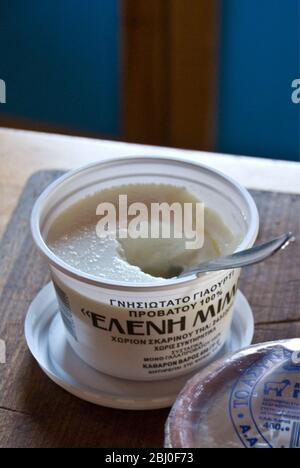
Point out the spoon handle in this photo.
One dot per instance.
(246, 257)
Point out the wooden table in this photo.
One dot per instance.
(22, 153)
(33, 411)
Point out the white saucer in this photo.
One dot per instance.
(46, 340)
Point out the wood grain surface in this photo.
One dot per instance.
(34, 412)
(22, 153)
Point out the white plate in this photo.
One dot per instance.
(46, 340)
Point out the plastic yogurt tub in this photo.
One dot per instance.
(140, 331)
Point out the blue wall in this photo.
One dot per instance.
(259, 60)
(60, 61)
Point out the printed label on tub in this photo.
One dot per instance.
(265, 402)
(154, 339)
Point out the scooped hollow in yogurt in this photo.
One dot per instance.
(73, 238)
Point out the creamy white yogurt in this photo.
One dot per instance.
(73, 238)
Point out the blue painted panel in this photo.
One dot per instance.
(259, 61)
(60, 61)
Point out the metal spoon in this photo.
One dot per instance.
(251, 256)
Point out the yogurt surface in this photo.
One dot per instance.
(73, 238)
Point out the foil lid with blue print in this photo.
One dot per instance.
(248, 400)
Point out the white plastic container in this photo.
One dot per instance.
(142, 332)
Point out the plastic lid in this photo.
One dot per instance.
(249, 400)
